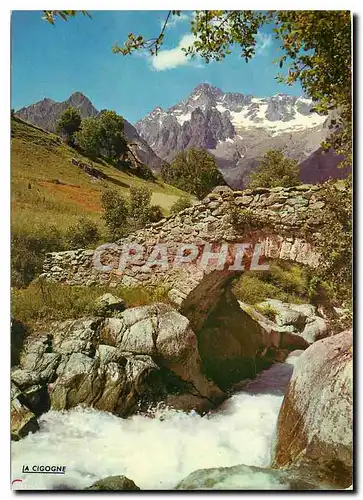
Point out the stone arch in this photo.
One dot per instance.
(279, 216)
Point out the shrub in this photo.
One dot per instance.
(335, 239)
(155, 213)
(123, 216)
(251, 289)
(194, 171)
(116, 211)
(69, 123)
(289, 277)
(144, 172)
(139, 204)
(88, 138)
(267, 310)
(112, 136)
(274, 170)
(284, 281)
(181, 204)
(84, 233)
(28, 250)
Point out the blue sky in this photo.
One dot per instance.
(54, 61)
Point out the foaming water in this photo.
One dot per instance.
(158, 452)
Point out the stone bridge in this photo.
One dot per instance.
(222, 222)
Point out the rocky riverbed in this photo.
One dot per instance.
(130, 399)
(157, 451)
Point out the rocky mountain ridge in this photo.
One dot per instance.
(238, 129)
(46, 112)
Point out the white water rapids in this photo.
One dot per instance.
(156, 453)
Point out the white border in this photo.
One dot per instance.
(5, 9)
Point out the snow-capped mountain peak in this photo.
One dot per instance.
(234, 126)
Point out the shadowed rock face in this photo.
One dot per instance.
(315, 425)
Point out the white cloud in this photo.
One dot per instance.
(174, 20)
(172, 58)
(264, 42)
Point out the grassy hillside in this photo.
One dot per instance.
(49, 194)
(46, 184)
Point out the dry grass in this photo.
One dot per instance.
(41, 303)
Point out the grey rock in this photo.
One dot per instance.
(113, 483)
(245, 477)
(108, 303)
(163, 333)
(80, 335)
(24, 378)
(315, 424)
(316, 329)
(308, 310)
(23, 421)
(77, 384)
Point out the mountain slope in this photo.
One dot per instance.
(237, 129)
(45, 114)
(48, 189)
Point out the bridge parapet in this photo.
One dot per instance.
(275, 220)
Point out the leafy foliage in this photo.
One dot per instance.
(155, 213)
(84, 233)
(111, 134)
(180, 205)
(145, 172)
(116, 211)
(102, 134)
(28, 250)
(141, 212)
(69, 123)
(335, 239)
(251, 289)
(88, 138)
(51, 15)
(274, 170)
(194, 171)
(267, 310)
(123, 215)
(316, 51)
(284, 281)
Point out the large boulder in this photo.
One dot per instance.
(299, 323)
(144, 356)
(113, 381)
(108, 304)
(316, 328)
(162, 333)
(315, 424)
(113, 483)
(23, 421)
(246, 477)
